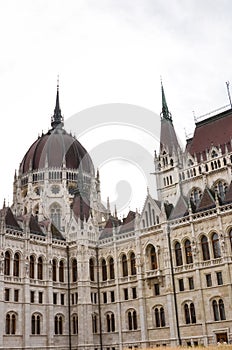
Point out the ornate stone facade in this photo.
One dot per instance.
(75, 277)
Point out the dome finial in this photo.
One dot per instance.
(57, 119)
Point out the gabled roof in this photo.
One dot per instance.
(181, 208)
(56, 234)
(207, 200)
(216, 131)
(108, 229)
(128, 223)
(10, 219)
(35, 227)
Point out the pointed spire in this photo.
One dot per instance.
(115, 212)
(57, 119)
(165, 112)
(108, 205)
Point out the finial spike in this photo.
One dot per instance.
(57, 119)
(165, 112)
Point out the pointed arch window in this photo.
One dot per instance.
(40, 268)
(230, 236)
(54, 268)
(189, 312)
(153, 258)
(133, 263)
(10, 323)
(159, 316)
(16, 265)
(104, 270)
(55, 212)
(178, 253)
(58, 324)
(35, 324)
(188, 252)
(221, 310)
(205, 248)
(94, 323)
(132, 320)
(74, 270)
(61, 271)
(91, 269)
(32, 267)
(75, 324)
(124, 266)
(111, 263)
(110, 322)
(7, 263)
(216, 246)
(218, 310)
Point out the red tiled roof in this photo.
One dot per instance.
(216, 131)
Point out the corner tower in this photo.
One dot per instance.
(168, 161)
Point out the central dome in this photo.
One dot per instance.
(56, 149)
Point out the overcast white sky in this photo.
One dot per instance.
(107, 51)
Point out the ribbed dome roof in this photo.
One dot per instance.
(53, 149)
(56, 149)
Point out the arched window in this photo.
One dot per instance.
(10, 323)
(133, 264)
(192, 313)
(16, 265)
(132, 320)
(188, 252)
(186, 314)
(104, 270)
(110, 322)
(58, 324)
(178, 254)
(196, 195)
(74, 324)
(230, 236)
(74, 270)
(205, 248)
(35, 324)
(54, 267)
(40, 268)
(7, 263)
(61, 271)
(153, 258)
(91, 269)
(162, 317)
(94, 323)
(221, 310)
(216, 246)
(215, 310)
(111, 263)
(124, 266)
(32, 267)
(221, 188)
(55, 211)
(8, 319)
(157, 317)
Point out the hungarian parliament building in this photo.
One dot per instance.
(75, 276)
